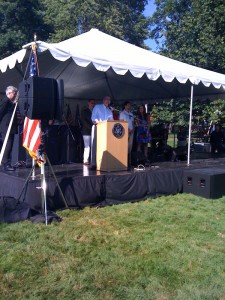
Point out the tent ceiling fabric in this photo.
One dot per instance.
(94, 64)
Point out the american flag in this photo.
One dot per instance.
(32, 128)
(31, 136)
(34, 62)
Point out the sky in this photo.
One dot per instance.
(149, 10)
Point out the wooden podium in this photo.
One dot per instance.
(112, 146)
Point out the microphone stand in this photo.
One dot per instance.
(113, 109)
(68, 139)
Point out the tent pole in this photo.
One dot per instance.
(190, 123)
(174, 122)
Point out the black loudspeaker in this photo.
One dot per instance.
(202, 147)
(207, 182)
(59, 100)
(38, 98)
(18, 151)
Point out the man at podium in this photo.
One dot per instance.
(101, 112)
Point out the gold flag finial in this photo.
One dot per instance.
(34, 46)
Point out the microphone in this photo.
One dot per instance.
(112, 108)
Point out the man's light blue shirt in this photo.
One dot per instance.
(129, 117)
(101, 113)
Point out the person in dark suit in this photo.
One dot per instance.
(216, 140)
(86, 130)
(6, 110)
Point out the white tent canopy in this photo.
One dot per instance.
(94, 64)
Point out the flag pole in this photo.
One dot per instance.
(43, 178)
(44, 188)
(34, 160)
(33, 169)
(33, 129)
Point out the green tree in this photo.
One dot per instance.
(173, 111)
(191, 31)
(162, 112)
(62, 17)
(56, 20)
(122, 19)
(19, 20)
(215, 112)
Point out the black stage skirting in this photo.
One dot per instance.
(83, 187)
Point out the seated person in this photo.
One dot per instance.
(216, 140)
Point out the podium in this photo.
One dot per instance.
(112, 146)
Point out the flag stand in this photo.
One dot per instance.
(42, 156)
(33, 168)
(44, 190)
(43, 184)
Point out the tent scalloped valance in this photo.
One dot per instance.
(105, 51)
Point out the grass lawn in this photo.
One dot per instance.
(168, 248)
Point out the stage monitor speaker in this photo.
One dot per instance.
(202, 147)
(38, 98)
(206, 182)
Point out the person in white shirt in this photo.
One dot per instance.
(126, 115)
(101, 112)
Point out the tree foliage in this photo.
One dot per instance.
(177, 112)
(62, 17)
(173, 111)
(215, 112)
(19, 20)
(191, 31)
(122, 19)
(57, 20)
